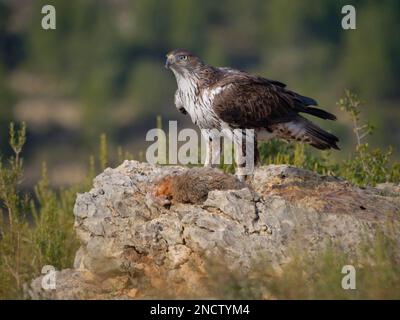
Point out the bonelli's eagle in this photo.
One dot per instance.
(225, 98)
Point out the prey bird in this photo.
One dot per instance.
(225, 98)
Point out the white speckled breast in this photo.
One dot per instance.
(198, 103)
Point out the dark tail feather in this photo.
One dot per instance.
(319, 113)
(321, 139)
(307, 101)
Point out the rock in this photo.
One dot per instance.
(131, 246)
(389, 188)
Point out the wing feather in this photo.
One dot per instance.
(247, 101)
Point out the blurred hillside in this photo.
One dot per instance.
(102, 70)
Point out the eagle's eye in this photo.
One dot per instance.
(183, 58)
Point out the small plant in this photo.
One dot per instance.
(368, 166)
(298, 155)
(52, 244)
(14, 229)
(34, 231)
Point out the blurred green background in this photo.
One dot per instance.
(102, 69)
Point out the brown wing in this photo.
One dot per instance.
(250, 102)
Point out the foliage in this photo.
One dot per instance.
(34, 231)
(368, 166)
(53, 238)
(14, 224)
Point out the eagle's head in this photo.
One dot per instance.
(180, 60)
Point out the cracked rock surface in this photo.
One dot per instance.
(128, 241)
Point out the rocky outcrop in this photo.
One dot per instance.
(132, 246)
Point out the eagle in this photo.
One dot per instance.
(225, 98)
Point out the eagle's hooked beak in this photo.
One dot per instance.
(169, 61)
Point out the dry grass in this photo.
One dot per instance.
(377, 276)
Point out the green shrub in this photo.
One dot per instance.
(53, 238)
(35, 231)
